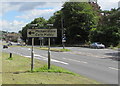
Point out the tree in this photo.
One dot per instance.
(108, 32)
(41, 23)
(78, 19)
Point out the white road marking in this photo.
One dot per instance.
(29, 49)
(76, 60)
(28, 56)
(53, 60)
(59, 61)
(44, 58)
(36, 55)
(88, 54)
(113, 68)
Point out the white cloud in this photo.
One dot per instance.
(108, 4)
(45, 11)
(36, 13)
(13, 26)
(5, 7)
(34, 0)
(26, 6)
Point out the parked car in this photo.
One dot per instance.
(18, 44)
(97, 45)
(5, 46)
(10, 44)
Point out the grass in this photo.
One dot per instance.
(45, 48)
(54, 69)
(112, 47)
(9, 58)
(54, 49)
(15, 71)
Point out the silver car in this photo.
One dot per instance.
(97, 45)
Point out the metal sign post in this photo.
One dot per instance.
(48, 53)
(32, 55)
(41, 33)
(40, 42)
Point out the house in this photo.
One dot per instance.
(12, 37)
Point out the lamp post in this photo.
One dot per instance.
(32, 49)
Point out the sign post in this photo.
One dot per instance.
(41, 33)
(40, 42)
(32, 55)
(48, 53)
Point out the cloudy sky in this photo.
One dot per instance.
(14, 14)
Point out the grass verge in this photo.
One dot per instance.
(54, 49)
(53, 69)
(45, 48)
(15, 71)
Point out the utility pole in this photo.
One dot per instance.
(62, 32)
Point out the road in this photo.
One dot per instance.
(98, 64)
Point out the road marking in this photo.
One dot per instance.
(29, 49)
(28, 56)
(59, 61)
(53, 60)
(76, 60)
(113, 68)
(36, 55)
(87, 54)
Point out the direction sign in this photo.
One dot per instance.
(42, 33)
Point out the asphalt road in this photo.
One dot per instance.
(98, 64)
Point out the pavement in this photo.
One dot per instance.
(98, 64)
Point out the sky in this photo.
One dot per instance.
(15, 14)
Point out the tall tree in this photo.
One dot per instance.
(78, 19)
(108, 32)
(41, 23)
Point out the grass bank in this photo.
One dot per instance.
(16, 71)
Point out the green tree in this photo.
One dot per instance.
(108, 32)
(41, 23)
(78, 19)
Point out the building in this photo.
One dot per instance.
(95, 6)
(12, 37)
